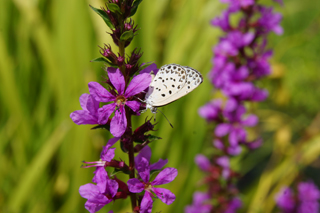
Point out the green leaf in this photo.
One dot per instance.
(145, 66)
(104, 16)
(102, 59)
(135, 7)
(102, 127)
(114, 8)
(149, 138)
(127, 35)
(117, 170)
(153, 138)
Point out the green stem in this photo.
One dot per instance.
(131, 157)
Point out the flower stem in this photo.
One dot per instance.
(131, 157)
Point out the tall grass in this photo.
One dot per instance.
(45, 49)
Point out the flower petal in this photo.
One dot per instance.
(111, 187)
(138, 84)
(83, 117)
(135, 185)
(100, 93)
(222, 129)
(118, 123)
(92, 105)
(164, 195)
(93, 207)
(143, 169)
(117, 79)
(159, 164)
(107, 154)
(144, 153)
(91, 192)
(148, 69)
(112, 141)
(165, 176)
(146, 203)
(202, 162)
(100, 178)
(134, 105)
(251, 120)
(105, 112)
(83, 101)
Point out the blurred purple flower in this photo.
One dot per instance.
(202, 162)
(235, 126)
(225, 164)
(118, 123)
(199, 204)
(234, 205)
(309, 195)
(165, 176)
(101, 194)
(285, 200)
(270, 21)
(89, 112)
(211, 110)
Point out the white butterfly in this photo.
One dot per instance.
(172, 82)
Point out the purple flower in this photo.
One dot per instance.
(165, 176)
(270, 21)
(106, 155)
(211, 110)
(235, 126)
(202, 162)
(285, 199)
(309, 195)
(199, 204)
(118, 123)
(222, 21)
(101, 194)
(233, 205)
(308, 191)
(89, 112)
(225, 164)
(146, 153)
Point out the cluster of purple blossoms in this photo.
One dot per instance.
(240, 59)
(111, 107)
(306, 199)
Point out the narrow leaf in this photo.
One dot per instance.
(102, 59)
(135, 7)
(114, 8)
(104, 16)
(128, 35)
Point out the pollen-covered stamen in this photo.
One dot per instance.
(147, 186)
(121, 100)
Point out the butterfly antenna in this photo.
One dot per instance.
(165, 117)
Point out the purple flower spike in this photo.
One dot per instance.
(165, 176)
(89, 112)
(101, 194)
(118, 123)
(199, 204)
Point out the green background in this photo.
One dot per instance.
(45, 49)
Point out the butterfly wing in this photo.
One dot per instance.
(174, 81)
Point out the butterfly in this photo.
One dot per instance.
(172, 82)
